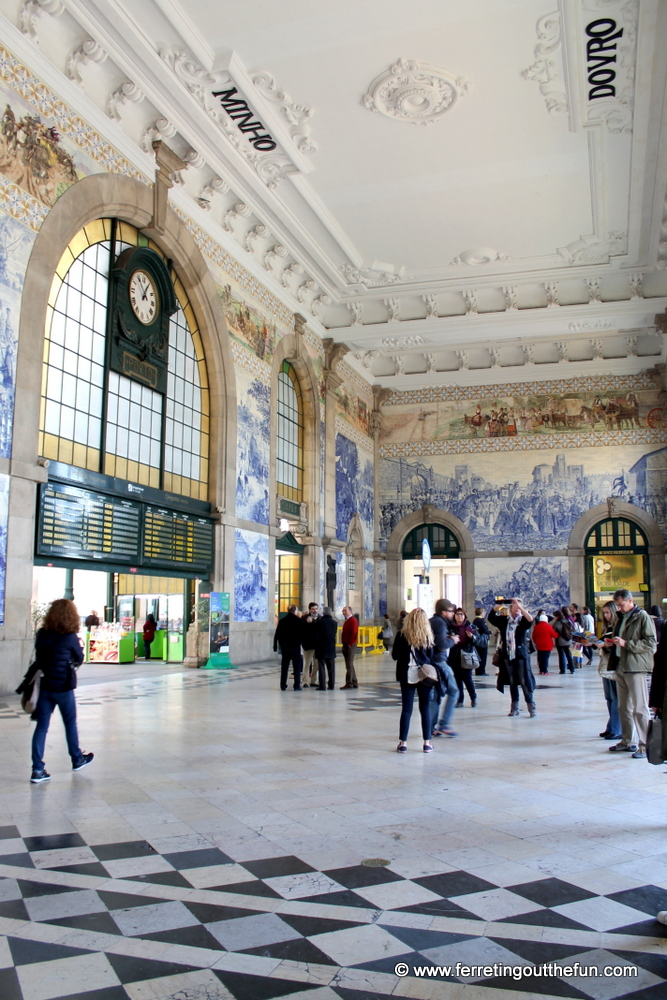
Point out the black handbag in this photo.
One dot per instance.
(654, 742)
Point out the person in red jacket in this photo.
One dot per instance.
(543, 640)
(349, 640)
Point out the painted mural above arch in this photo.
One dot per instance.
(536, 413)
(511, 504)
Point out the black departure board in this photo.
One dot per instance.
(82, 524)
(173, 537)
(76, 523)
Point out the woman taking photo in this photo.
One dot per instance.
(515, 658)
(57, 654)
(463, 658)
(414, 641)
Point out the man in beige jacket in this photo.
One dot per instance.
(635, 643)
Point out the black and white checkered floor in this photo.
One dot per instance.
(251, 879)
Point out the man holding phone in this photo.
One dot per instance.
(634, 641)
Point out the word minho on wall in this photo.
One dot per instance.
(239, 112)
(600, 53)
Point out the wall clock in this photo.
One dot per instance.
(143, 299)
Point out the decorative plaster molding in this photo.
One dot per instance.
(593, 285)
(510, 293)
(431, 303)
(593, 250)
(259, 232)
(582, 326)
(402, 343)
(272, 165)
(88, 51)
(415, 92)
(127, 91)
(393, 307)
(478, 256)
(234, 270)
(320, 303)
(372, 275)
(30, 11)
(470, 299)
(297, 115)
(294, 271)
(302, 291)
(544, 70)
(237, 211)
(357, 313)
(551, 288)
(215, 186)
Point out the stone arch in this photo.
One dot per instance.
(94, 197)
(601, 512)
(428, 514)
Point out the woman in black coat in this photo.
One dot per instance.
(514, 657)
(57, 654)
(415, 637)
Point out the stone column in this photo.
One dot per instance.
(380, 395)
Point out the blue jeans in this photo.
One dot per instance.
(448, 704)
(611, 697)
(425, 705)
(543, 660)
(565, 659)
(45, 705)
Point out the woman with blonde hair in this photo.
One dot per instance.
(57, 654)
(413, 647)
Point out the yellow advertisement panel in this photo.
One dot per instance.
(617, 571)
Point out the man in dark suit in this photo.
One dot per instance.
(288, 634)
(325, 649)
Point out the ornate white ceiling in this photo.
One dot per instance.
(526, 209)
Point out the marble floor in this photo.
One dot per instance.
(234, 842)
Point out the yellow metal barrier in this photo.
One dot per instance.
(367, 639)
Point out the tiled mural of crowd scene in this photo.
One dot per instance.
(542, 414)
(15, 246)
(538, 583)
(354, 489)
(253, 446)
(506, 506)
(251, 577)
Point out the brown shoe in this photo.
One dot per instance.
(345, 687)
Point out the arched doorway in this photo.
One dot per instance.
(629, 541)
(616, 557)
(452, 559)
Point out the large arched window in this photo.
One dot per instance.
(289, 458)
(97, 419)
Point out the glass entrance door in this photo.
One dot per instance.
(175, 635)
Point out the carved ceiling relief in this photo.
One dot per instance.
(412, 91)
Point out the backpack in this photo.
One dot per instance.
(566, 631)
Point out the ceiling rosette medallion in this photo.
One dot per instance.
(415, 92)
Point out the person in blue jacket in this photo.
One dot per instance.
(58, 653)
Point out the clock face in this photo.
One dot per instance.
(143, 297)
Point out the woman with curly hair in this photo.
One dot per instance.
(57, 654)
(414, 641)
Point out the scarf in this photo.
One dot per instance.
(510, 637)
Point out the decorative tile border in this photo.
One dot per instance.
(21, 205)
(595, 383)
(231, 267)
(354, 434)
(249, 361)
(353, 378)
(313, 341)
(527, 442)
(67, 121)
